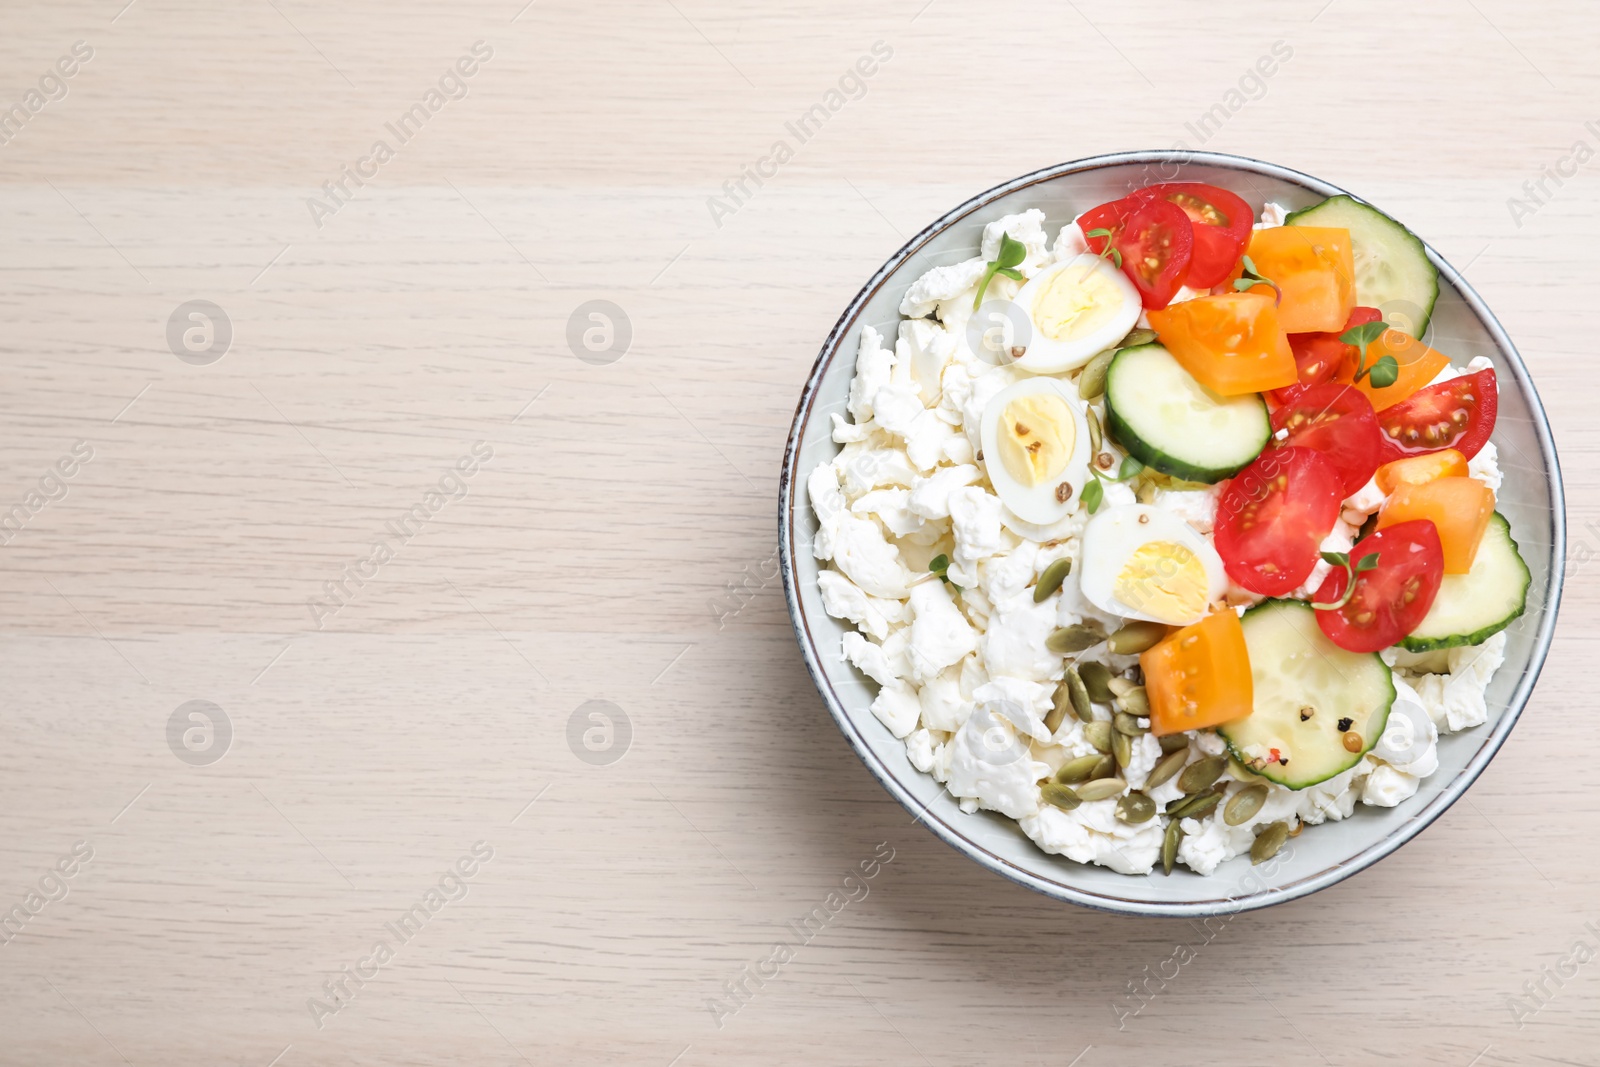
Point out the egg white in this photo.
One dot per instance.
(1111, 537)
(1037, 503)
(1047, 355)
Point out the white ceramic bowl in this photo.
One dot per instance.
(1462, 327)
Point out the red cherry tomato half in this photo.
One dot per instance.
(1320, 355)
(1108, 216)
(1272, 518)
(1338, 421)
(1221, 222)
(1457, 414)
(1156, 244)
(1390, 600)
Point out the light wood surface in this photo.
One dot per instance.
(584, 561)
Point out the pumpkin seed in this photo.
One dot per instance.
(1169, 765)
(1097, 679)
(1077, 770)
(1240, 772)
(1075, 638)
(1079, 696)
(1136, 637)
(1135, 702)
(1196, 807)
(1136, 338)
(1096, 435)
(1136, 808)
(1058, 713)
(1119, 685)
(1101, 789)
(1092, 382)
(1144, 491)
(1106, 768)
(1245, 805)
(1173, 742)
(1169, 845)
(1051, 579)
(1060, 796)
(1098, 734)
(1268, 842)
(1122, 748)
(1127, 724)
(1202, 774)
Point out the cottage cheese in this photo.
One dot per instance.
(965, 677)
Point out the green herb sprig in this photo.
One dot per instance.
(1094, 493)
(1114, 254)
(1012, 253)
(1342, 559)
(1386, 370)
(939, 565)
(1253, 278)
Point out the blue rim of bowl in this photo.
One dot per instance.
(950, 834)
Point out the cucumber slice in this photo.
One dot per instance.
(1473, 607)
(1309, 693)
(1393, 273)
(1175, 425)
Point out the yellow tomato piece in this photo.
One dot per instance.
(1459, 507)
(1314, 268)
(1199, 676)
(1418, 470)
(1232, 343)
(1419, 365)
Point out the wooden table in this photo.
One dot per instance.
(399, 658)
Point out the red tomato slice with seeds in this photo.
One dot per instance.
(1457, 414)
(1221, 222)
(1273, 516)
(1338, 421)
(1390, 600)
(1156, 243)
(1319, 356)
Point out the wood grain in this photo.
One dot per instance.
(586, 558)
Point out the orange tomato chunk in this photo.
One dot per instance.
(1315, 268)
(1418, 470)
(1232, 343)
(1419, 365)
(1459, 507)
(1199, 676)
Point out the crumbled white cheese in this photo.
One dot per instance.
(1092, 833)
(1485, 466)
(1014, 641)
(919, 750)
(930, 496)
(1021, 703)
(1026, 227)
(987, 762)
(897, 707)
(874, 364)
(943, 705)
(843, 599)
(859, 549)
(1455, 701)
(941, 284)
(975, 519)
(940, 634)
(1197, 507)
(1272, 215)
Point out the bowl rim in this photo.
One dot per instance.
(951, 835)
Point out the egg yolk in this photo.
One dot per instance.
(1036, 437)
(1075, 302)
(1164, 579)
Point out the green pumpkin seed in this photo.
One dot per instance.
(1092, 382)
(1106, 768)
(1119, 685)
(1169, 765)
(1268, 842)
(1096, 435)
(1075, 638)
(1173, 742)
(1079, 696)
(1169, 846)
(1050, 580)
(1240, 772)
(1136, 338)
(1135, 702)
(1077, 770)
(1136, 637)
(1097, 680)
(1122, 748)
(1245, 805)
(1144, 491)
(1100, 789)
(1202, 774)
(1060, 796)
(1126, 724)
(1098, 734)
(1136, 808)
(1196, 807)
(1058, 713)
